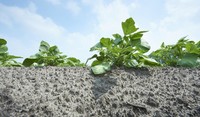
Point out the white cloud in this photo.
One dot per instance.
(73, 7)
(54, 2)
(30, 20)
(32, 7)
(110, 15)
(182, 8)
(69, 5)
(178, 22)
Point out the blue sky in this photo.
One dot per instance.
(76, 25)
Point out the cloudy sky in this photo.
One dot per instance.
(76, 25)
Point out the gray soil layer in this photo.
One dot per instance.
(75, 92)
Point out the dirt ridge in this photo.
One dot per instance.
(75, 92)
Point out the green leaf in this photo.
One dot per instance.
(44, 46)
(131, 63)
(162, 45)
(128, 49)
(192, 48)
(3, 41)
(198, 44)
(96, 47)
(189, 60)
(137, 35)
(96, 62)
(150, 61)
(117, 36)
(29, 61)
(3, 49)
(118, 39)
(94, 56)
(143, 46)
(101, 68)
(129, 26)
(13, 57)
(73, 59)
(54, 50)
(106, 42)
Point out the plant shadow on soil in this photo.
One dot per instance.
(102, 85)
(139, 71)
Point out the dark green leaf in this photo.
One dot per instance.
(96, 62)
(94, 56)
(131, 63)
(44, 46)
(128, 49)
(29, 61)
(162, 45)
(3, 41)
(198, 44)
(73, 59)
(189, 60)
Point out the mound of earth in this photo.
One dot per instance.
(75, 92)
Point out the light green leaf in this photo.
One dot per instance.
(137, 35)
(13, 57)
(3, 49)
(106, 42)
(149, 61)
(129, 26)
(117, 35)
(96, 47)
(101, 68)
(192, 48)
(143, 46)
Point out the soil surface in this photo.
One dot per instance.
(75, 92)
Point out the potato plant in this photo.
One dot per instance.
(184, 53)
(7, 60)
(50, 56)
(127, 50)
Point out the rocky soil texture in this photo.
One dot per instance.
(75, 92)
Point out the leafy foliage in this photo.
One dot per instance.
(5, 58)
(50, 56)
(127, 50)
(184, 53)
